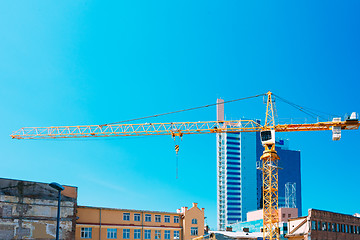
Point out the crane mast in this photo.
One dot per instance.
(178, 129)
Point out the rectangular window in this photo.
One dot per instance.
(194, 221)
(323, 226)
(313, 225)
(157, 218)
(157, 234)
(137, 217)
(126, 233)
(194, 231)
(176, 219)
(147, 234)
(333, 227)
(347, 228)
(337, 227)
(147, 217)
(167, 219)
(126, 216)
(167, 234)
(176, 234)
(329, 227)
(319, 226)
(137, 233)
(86, 233)
(111, 233)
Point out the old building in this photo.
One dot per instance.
(321, 225)
(28, 210)
(109, 223)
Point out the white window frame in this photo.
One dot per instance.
(176, 219)
(167, 234)
(86, 232)
(137, 217)
(112, 233)
(137, 233)
(157, 234)
(126, 216)
(126, 233)
(194, 231)
(194, 221)
(147, 234)
(167, 218)
(147, 217)
(157, 218)
(176, 234)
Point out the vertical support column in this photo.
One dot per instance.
(270, 193)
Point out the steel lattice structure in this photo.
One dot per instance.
(178, 129)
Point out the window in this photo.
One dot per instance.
(147, 217)
(289, 215)
(333, 227)
(323, 226)
(342, 228)
(137, 217)
(137, 233)
(329, 227)
(126, 216)
(313, 225)
(126, 233)
(157, 234)
(351, 229)
(194, 231)
(167, 234)
(176, 234)
(176, 219)
(283, 215)
(194, 221)
(167, 219)
(319, 226)
(157, 218)
(347, 228)
(147, 234)
(86, 233)
(111, 233)
(338, 227)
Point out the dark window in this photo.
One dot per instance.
(233, 178)
(313, 225)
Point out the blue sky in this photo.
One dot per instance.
(95, 62)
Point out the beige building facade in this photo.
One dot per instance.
(109, 223)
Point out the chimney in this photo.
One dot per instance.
(220, 110)
(194, 204)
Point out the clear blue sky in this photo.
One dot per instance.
(95, 62)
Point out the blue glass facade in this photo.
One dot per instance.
(290, 172)
(239, 183)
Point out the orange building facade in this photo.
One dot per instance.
(109, 223)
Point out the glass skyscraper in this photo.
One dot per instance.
(239, 183)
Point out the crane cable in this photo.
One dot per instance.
(183, 110)
(306, 110)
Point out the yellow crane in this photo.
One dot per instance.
(178, 129)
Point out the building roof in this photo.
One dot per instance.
(236, 235)
(129, 210)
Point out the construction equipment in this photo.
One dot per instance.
(178, 129)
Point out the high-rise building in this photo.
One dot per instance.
(239, 183)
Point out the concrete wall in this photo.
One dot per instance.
(28, 210)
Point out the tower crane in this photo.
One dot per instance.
(178, 129)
